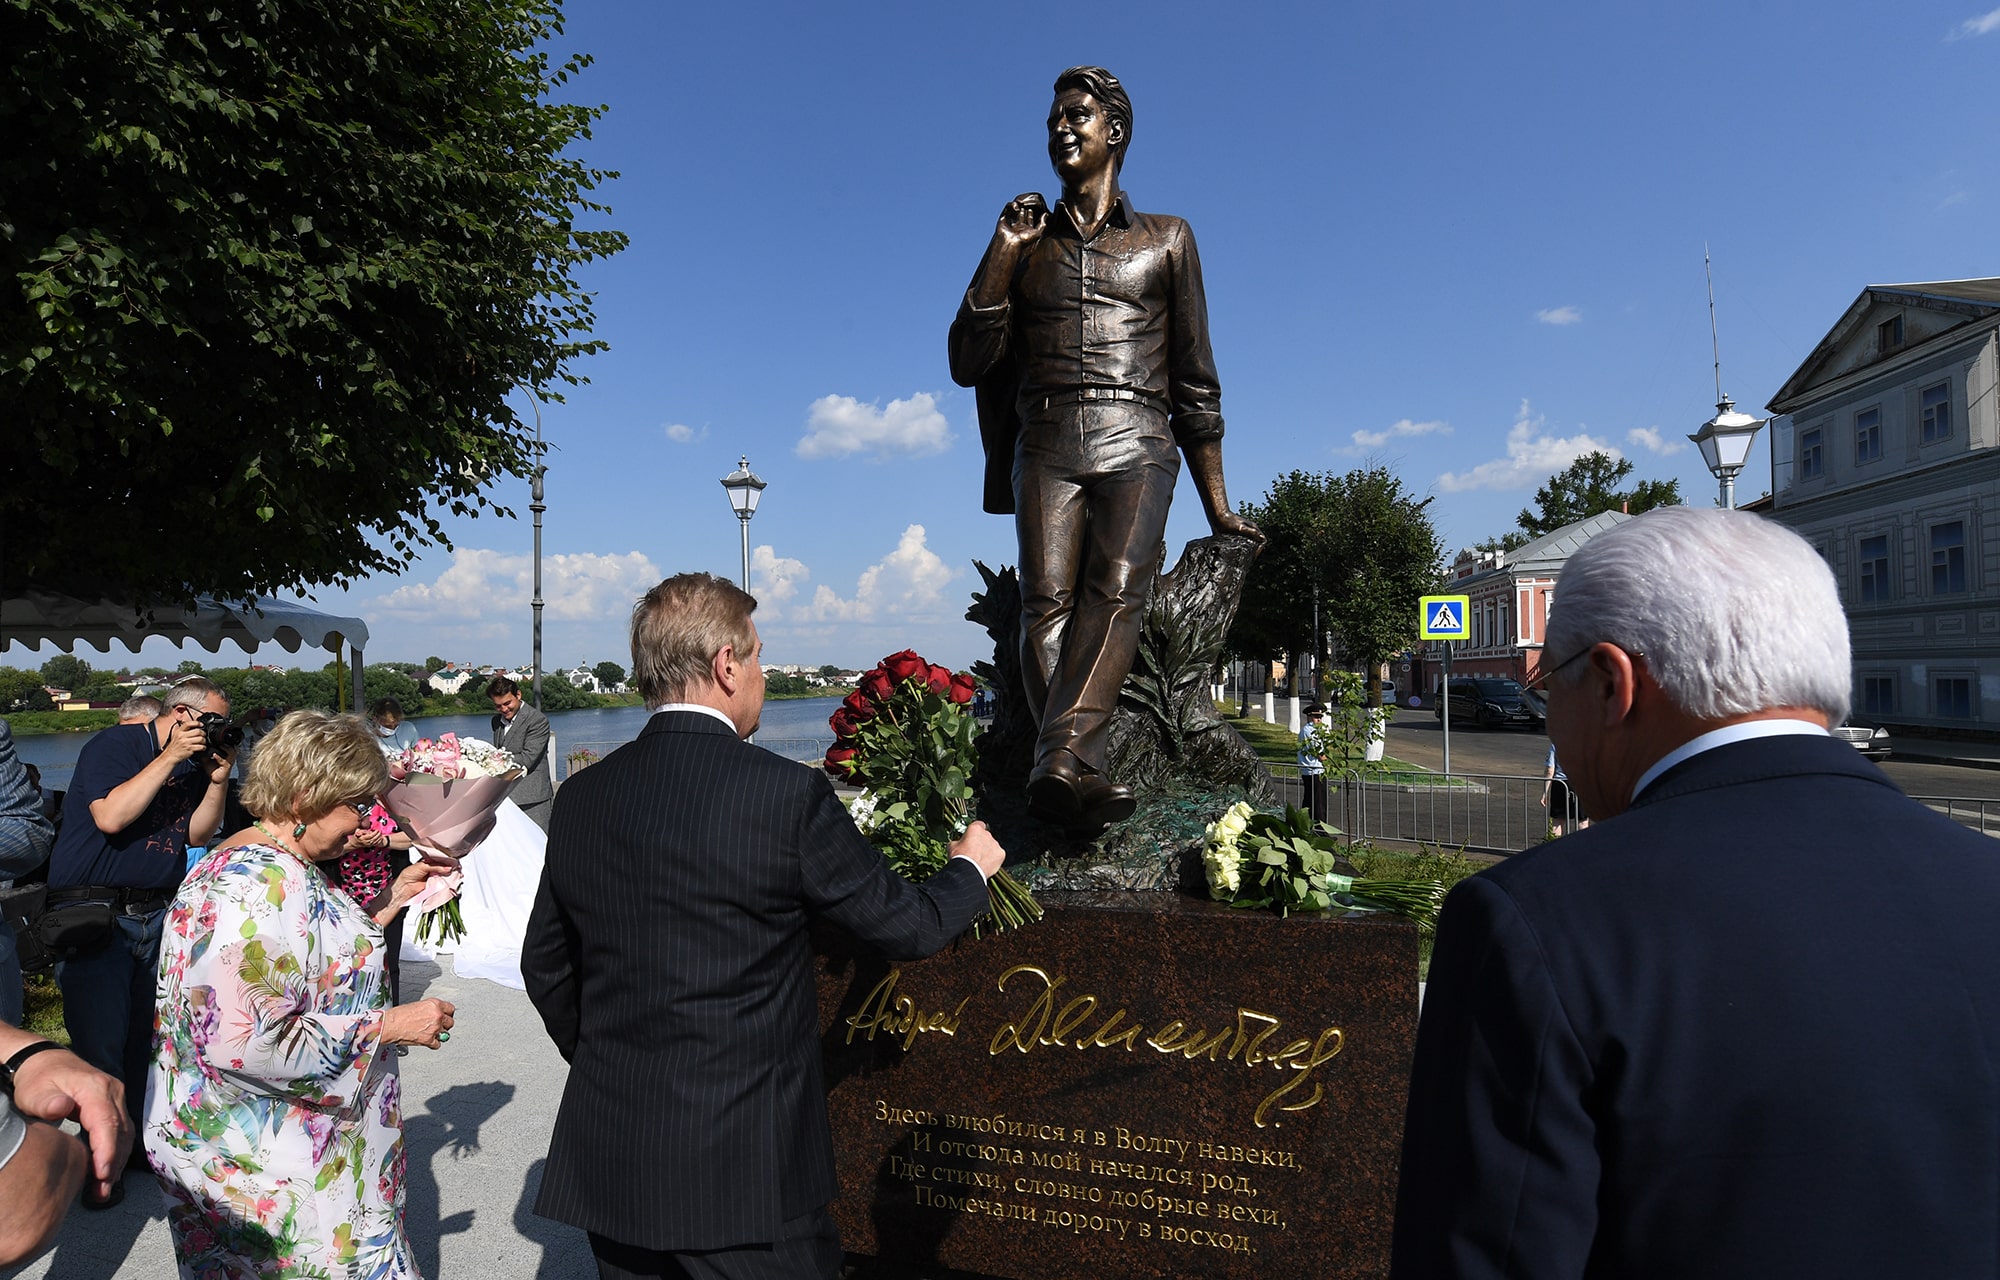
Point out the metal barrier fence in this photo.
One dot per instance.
(1482, 813)
(1982, 816)
(1479, 812)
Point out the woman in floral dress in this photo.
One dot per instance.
(273, 1114)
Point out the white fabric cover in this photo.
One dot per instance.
(501, 877)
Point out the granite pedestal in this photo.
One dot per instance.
(1141, 1085)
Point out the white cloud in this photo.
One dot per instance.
(1532, 457)
(1984, 24)
(481, 584)
(775, 579)
(837, 426)
(682, 433)
(1559, 315)
(1650, 439)
(1401, 429)
(908, 582)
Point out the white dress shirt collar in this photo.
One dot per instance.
(1722, 737)
(694, 706)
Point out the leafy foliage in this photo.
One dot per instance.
(1288, 863)
(1359, 546)
(609, 674)
(1588, 487)
(66, 671)
(271, 272)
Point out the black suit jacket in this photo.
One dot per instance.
(667, 955)
(1751, 1027)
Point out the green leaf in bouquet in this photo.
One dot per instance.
(1271, 856)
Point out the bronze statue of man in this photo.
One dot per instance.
(1085, 330)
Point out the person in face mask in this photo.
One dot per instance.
(385, 716)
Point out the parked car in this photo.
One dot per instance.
(1389, 693)
(1489, 702)
(1869, 739)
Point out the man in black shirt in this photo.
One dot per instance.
(1086, 331)
(140, 795)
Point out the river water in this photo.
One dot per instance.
(794, 727)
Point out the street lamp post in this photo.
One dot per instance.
(744, 488)
(1725, 442)
(537, 506)
(1725, 439)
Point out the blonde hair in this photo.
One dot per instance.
(679, 627)
(311, 763)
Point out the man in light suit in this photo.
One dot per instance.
(523, 732)
(667, 955)
(1750, 1024)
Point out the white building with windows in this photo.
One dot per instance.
(1887, 459)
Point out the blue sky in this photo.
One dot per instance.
(1462, 240)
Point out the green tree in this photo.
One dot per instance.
(272, 272)
(1588, 487)
(829, 672)
(66, 671)
(22, 691)
(609, 674)
(1358, 550)
(101, 688)
(434, 664)
(389, 680)
(188, 668)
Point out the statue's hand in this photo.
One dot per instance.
(1021, 222)
(1227, 521)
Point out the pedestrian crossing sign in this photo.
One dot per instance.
(1445, 618)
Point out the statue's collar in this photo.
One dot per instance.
(1121, 213)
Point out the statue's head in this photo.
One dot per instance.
(1071, 141)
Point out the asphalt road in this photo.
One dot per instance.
(1416, 736)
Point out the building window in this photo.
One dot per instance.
(1954, 697)
(1812, 459)
(1874, 557)
(1889, 334)
(1506, 636)
(1934, 411)
(1867, 436)
(1878, 695)
(1948, 558)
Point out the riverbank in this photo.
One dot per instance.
(28, 724)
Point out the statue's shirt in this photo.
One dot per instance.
(1121, 311)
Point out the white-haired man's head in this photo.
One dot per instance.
(1733, 613)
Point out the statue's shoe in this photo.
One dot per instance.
(1104, 802)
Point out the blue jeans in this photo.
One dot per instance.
(108, 1003)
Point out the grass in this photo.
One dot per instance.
(1276, 744)
(44, 1015)
(28, 723)
(1432, 863)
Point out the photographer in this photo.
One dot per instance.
(138, 792)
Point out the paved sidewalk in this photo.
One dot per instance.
(476, 1120)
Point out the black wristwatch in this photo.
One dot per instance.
(13, 1064)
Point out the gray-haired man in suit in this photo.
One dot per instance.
(523, 732)
(667, 955)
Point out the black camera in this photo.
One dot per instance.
(222, 735)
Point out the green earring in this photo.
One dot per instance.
(299, 831)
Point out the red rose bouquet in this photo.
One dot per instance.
(905, 737)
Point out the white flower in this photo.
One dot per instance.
(1224, 867)
(862, 810)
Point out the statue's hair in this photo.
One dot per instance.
(1103, 86)
(678, 628)
(1734, 613)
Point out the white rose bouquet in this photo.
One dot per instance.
(1287, 862)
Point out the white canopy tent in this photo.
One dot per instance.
(44, 617)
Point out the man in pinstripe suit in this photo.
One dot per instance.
(667, 955)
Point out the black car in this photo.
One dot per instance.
(1491, 701)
